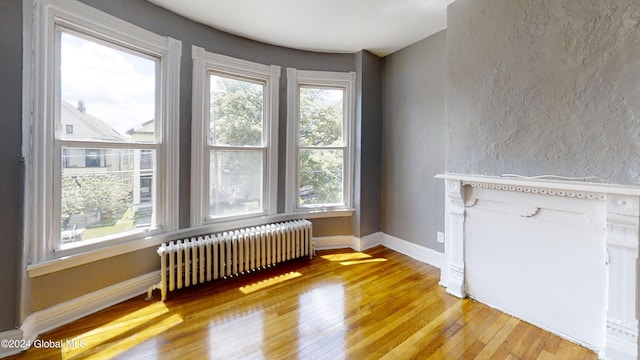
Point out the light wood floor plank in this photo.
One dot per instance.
(497, 340)
(341, 305)
(460, 342)
(515, 336)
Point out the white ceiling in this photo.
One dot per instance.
(343, 26)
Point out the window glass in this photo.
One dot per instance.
(236, 112)
(105, 201)
(235, 182)
(107, 96)
(321, 177)
(321, 165)
(236, 156)
(105, 91)
(321, 116)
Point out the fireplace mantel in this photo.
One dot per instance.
(563, 214)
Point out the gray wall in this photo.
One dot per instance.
(413, 142)
(51, 289)
(548, 87)
(10, 159)
(368, 174)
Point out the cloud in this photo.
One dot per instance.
(116, 86)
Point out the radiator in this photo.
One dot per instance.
(205, 258)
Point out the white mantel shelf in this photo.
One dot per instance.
(534, 185)
(490, 212)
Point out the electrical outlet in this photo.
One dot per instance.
(440, 237)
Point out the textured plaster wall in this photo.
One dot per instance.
(544, 87)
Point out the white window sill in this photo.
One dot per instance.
(66, 262)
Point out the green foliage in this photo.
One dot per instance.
(236, 112)
(236, 115)
(95, 193)
(320, 117)
(321, 171)
(320, 177)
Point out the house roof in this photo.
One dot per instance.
(148, 127)
(87, 126)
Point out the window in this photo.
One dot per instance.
(320, 121)
(122, 78)
(146, 159)
(92, 158)
(234, 138)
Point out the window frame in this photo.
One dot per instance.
(204, 65)
(319, 79)
(44, 157)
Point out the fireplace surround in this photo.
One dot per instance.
(559, 254)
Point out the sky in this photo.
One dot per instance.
(116, 86)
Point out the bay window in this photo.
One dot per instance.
(104, 91)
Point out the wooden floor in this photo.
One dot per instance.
(342, 305)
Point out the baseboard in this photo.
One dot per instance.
(61, 314)
(420, 253)
(348, 241)
(333, 242)
(371, 240)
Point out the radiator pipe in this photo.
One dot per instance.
(150, 291)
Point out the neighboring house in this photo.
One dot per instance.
(143, 182)
(77, 124)
(134, 165)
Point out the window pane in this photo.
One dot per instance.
(235, 112)
(105, 93)
(235, 185)
(321, 115)
(321, 177)
(105, 192)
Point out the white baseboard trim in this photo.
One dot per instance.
(61, 314)
(333, 242)
(420, 253)
(371, 240)
(348, 241)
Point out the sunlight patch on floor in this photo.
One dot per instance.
(366, 261)
(119, 335)
(352, 258)
(346, 257)
(269, 282)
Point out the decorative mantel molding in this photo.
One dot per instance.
(577, 189)
(537, 190)
(619, 209)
